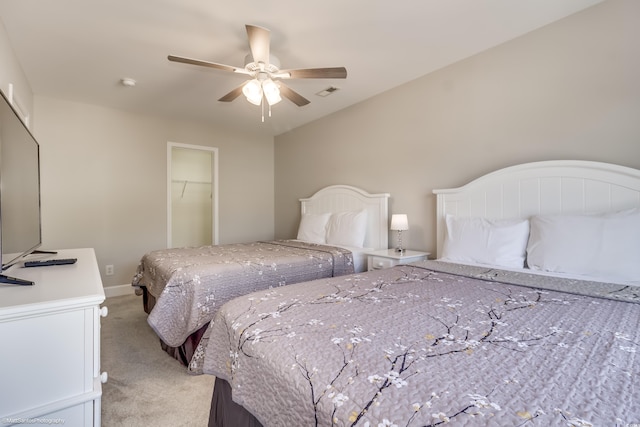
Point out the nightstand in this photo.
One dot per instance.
(386, 258)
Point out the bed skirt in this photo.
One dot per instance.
(227, 413)
(185, 351)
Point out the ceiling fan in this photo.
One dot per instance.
(265, 74)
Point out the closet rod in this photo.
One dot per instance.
(175, 181)
(185, 182)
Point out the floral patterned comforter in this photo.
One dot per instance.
(189, 284)
(414, 346)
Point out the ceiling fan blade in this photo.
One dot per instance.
(232, 95)
(292, 95)
(316, 73)
(259, 39)
(206, 64)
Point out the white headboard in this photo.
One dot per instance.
(551, 187)
(343, 198)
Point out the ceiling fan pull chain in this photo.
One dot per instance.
(262, 107)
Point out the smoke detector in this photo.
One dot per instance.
(126, 81)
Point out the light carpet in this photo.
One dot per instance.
(146, 387)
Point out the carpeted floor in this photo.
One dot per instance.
(146, 387)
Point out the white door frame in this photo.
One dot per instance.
(214, 183)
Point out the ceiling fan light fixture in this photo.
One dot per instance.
(263, 69)
(271, 92)
(252, 90)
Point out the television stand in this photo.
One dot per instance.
(14, 281)
(50, 344)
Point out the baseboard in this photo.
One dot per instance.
(117, 291)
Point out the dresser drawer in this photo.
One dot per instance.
(48, 360)
(377, 262)
(386, 258)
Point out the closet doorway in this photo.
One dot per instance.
(192, 211)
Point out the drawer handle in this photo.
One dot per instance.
(104, 377)
(380, 264)
(104, 311)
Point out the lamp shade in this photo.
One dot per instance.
(399, 222)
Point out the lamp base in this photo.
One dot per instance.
(399, 248)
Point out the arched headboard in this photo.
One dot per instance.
(343, 198)
(550, 187)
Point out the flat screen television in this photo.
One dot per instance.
(20, 221)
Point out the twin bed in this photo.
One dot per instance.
(529, 315)
(182, 288)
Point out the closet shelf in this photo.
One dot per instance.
(184, 183)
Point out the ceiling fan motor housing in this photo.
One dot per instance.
(272, 67)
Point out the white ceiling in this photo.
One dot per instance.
(80, 49)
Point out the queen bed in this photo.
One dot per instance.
(530, 315)
(183, 287)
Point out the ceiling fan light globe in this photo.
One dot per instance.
(271, 92)
(252, 90)
(273, 98)
(255, 101)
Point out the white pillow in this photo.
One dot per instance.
(313, 228)
(500, 243)
(605, 246)
(347, 229)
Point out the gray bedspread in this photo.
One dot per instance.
(414, 346)
(189, 284)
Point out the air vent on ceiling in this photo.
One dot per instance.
(328, 91)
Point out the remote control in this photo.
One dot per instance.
(45, 262)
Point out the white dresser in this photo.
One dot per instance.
(50, 343)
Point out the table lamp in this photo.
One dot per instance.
(399, 223)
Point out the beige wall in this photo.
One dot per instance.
(11, 73)
(568, 91)
(104, 181)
